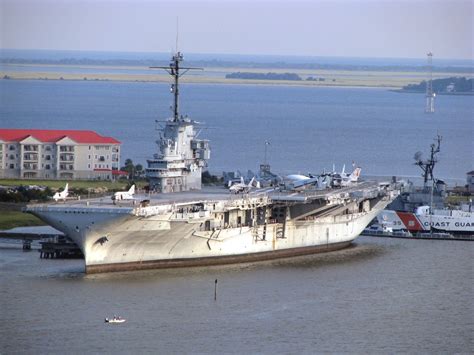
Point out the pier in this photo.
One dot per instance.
(54, 244)
(59, 248)
(408, 235)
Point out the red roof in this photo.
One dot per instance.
(119, 172)
(54, 135)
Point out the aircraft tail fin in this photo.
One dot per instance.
(66, 189)
(251, 182)
(132, 190)
(355, 174)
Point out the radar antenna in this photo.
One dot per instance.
(174, 70)
(428, 165)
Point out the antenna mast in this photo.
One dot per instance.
(428, 166)
(430, 95)
(174, 70)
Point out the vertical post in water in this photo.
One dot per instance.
(215, 290)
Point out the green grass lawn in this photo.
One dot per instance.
(12, 219)
(11, 215)
(56, 184)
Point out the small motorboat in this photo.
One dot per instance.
(115, 320)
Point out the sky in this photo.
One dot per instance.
(346, 28)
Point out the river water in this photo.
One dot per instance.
(309, 129)
(380, 295)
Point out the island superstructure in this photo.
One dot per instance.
(210, 226)
(181, 156)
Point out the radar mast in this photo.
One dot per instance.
(428, 165)
(174, 70)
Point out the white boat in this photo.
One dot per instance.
(423, 220)
(115, 320)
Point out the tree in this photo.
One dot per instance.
(133, 171)
(129, 168)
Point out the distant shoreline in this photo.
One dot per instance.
(214, 75)
(462, 93)
(155, 79)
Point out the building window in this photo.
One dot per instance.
(88, 166)
(12, 166)
(89, 147)
(47, 167)
(30, 148)
(89, 157)
(12, 147)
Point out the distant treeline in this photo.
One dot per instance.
(447, 85)
(264, 76)
(233, 64)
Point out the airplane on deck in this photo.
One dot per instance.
(324, 180)
(61, 195)
(343, 179)
(299, 181)
(124, 195)
(242, 186)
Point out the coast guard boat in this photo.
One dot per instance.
(179, 224)
(421, 210)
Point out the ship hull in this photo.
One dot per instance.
(122, 242)
(453, 222)
(216, 260)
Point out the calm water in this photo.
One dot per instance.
(309, 128)
(378, 296)
(381, 295)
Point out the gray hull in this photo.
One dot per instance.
(117, 239)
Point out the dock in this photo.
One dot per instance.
(54, 244)
(60, 248)
(422, 236)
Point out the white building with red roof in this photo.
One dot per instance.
(57, 154)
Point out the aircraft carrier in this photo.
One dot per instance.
(178, 224)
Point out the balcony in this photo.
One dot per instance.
(66, 148)
(30, 166)
(30, 148)
(66, 166)
(30, 157)
(66, 157)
